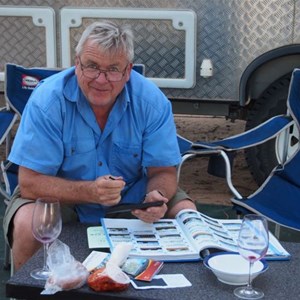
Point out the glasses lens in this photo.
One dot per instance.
(90, 73)
(114, 76)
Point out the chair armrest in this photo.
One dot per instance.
(255, 136)
(209, 152)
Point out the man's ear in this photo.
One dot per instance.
(128, 71)
(77, 62)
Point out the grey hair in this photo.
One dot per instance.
(110, 37)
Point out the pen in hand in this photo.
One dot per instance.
(115, 177)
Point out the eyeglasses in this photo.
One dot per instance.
(93, 72)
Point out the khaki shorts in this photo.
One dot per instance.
(68, 212)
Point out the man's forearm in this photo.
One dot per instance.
(103, 190)
(163, 180)
(66, 191)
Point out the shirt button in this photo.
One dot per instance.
(99, 163)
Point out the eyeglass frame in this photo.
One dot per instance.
(99, 71)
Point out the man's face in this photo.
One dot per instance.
(100, 92)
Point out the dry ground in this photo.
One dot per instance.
(194, 178)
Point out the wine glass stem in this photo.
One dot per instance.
(45, 246)
(249, 285)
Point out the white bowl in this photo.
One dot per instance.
(231, 268)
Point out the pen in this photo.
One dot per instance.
(115, 178)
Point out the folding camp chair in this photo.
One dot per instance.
(278, 198)
(19, 84)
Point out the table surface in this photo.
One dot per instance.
(280, 281)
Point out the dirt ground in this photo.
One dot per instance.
(194, 178)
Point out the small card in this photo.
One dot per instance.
(96, 237)
(96, 260)
(142, 268)
(163, 281)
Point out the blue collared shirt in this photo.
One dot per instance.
(59, 134)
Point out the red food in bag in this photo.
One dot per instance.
(101, 281)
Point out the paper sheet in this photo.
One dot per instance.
(96, 237)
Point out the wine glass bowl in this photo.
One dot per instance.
(46, 227)
(253, 242)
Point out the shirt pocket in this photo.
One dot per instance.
(80, 157)
(126, 161)
(79, 147)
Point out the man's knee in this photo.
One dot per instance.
(180, 201)
(21, 223)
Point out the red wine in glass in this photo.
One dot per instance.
(253, 242)
(46, 227)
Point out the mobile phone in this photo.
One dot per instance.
(125, 207)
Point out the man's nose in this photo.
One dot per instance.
(102, 77)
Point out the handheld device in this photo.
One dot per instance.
(125, 207)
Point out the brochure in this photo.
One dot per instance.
(190, 236)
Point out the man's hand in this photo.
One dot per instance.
(107, 190)
(152, 214)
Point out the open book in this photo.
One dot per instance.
(190, 236)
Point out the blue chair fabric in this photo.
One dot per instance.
(7, 120)
(279, 196)
(19, 84)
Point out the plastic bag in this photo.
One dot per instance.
(66, 272)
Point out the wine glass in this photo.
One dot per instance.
(253, 242)
(46, 227)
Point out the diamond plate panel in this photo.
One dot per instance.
(232, 33)
(21, 42)
(297, 23)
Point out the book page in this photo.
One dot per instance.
(206, 232)
(163, 239)
(275, 249)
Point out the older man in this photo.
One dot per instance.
(93, 136)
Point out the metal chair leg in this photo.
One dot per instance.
(277, 231)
